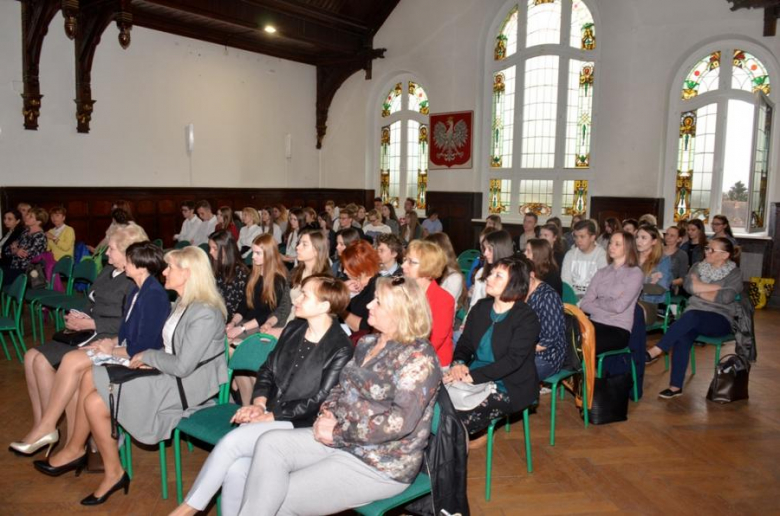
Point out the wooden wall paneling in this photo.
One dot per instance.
(456, 210)
(625, 208)
(774, 233)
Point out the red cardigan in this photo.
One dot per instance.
(443, 311)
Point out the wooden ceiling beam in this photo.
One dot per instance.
(312, 14)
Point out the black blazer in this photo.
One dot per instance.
(514, 348)
(298, 399)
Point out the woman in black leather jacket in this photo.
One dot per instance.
(292, 383)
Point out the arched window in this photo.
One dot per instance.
(721, 126)
(403, 144)
(541, 79)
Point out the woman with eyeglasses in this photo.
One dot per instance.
(367, 443)
(714, 285)
(722, 229)
(498, 345)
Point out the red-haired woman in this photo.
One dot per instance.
(361, 265)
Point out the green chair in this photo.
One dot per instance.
(209, 425)
(554, 382)
(489, 453)
(181, 244)
(126, 458)
(64, 269)
(84, 273)
(663, 324)
(158, 242)
(248, 260)
(715, 341)
(420, 487)
(205, 247)
(625, 351)
(466, 259)
(11, 323)
(569, 295)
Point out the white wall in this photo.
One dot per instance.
(241, 104)
(642, 43)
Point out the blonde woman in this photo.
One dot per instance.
(251, 230)
(396, 373)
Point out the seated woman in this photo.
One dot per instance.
(267, 295)
(103, 316)
(294, 218)
(31, 244)
(146, 308)
(61, 238)
(344, 238)
(391, 254)
(540, 252)
(361, 265)
(452, 279)
(390, 218)
(722, 228)
(496, 246)
(268, 226)
(611, 224)
(326, 226)
(547, 303)
(613, 293)
(225, 222)
(292, 383)
(121, 215)
(552, 233)
(678, 257)
(411, 229)
(367, 443)
(191, 367)
(498, 345)
(697, 241)
(657, 269)
(12, 221)
(229, 270)
(425, 263)
(714, 285)
(249, 232)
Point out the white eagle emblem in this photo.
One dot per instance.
(448, 138)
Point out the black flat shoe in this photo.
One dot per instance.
(651, 360)
(124, 483)
(54, 471)
(668, 394)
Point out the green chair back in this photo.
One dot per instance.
(86, 272)
(252, 352)
(569, 295)
(158, 242)
(15, 296)
(63, 267)
(466, 260)
(181, 244)
(205, 247)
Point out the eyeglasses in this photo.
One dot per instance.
(411, 262)
(709, 249)
(716, 224)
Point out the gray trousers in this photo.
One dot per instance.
(227, 467)
(293, 474)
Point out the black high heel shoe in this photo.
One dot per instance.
(124, 483)
(54, 471)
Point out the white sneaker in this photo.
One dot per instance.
(545, 390)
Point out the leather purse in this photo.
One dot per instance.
(74, 338)
(118, 375)
(731, 379)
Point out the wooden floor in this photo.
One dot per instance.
(684, 456)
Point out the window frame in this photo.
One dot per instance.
(565, 52)
(720, 97)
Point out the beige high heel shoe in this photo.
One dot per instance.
(28, 449)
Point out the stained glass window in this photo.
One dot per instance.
(696, 149)
(384, 164)
(536, 196)
(579, 114)
(392, 103)
(574, 197)
(500, 196)
(748, 73)
(418, 99)
(506, 40)
(422, 173)
(395, 163)
(703, 77)
(544, 23)
(540, 108)
(503, 118)
(583, 30)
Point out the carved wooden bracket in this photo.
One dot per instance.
(36, 16)
(331, 75)
(70, 10)
(771, 12)
(93, 18)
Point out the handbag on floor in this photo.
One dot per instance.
(610, 399)
(730, 383)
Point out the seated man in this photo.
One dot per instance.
(191, 225)
(584, 259)
(209, 222)
(432, 224)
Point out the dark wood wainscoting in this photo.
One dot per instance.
(626, 208)
(157, 209)
(456, 209)
(774, 233)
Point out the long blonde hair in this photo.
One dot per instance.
(201, 286)
(656, 252)
(271, 268)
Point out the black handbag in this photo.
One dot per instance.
(610, 399)
(118, 375)
(74, 338)
(730, 383)
(36, 276)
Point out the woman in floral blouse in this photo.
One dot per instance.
(30, 245)
(229, 270)
(367, 444)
